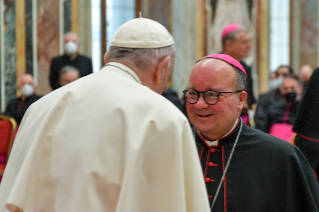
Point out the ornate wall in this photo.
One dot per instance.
(189, 31)
(187, 22)
(32, 33)
(304, 43)
(225, 12)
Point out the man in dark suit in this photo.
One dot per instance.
(71, 57)
(236, 43)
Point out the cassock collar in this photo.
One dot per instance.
(124, 70)
(227, 138)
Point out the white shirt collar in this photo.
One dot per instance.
(215, 143)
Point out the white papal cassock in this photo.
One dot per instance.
(104, 143)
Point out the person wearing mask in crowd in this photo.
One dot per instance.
(68, 74)
(109, 141)
(16, 108)
(236, 42)
(244, 169)
(306, 125)
(274, 95)
(281, 115)
(71, 57)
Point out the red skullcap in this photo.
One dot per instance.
(228, 59)
(229, 29)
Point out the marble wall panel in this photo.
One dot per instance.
(309, 32)
(29, 36)
(67, 16)
(10, 52)
(75, 16)
(185, 36)
(262, 24)
(161, 11)
(48, 40)
(20, 37)
(85, 28)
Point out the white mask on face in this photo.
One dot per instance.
(276, 83)
(71, 48)
(27, 90)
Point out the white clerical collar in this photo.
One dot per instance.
(125, 69)
(215, 143)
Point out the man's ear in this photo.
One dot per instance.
(161, 65)
(242, 99)
(105, 57)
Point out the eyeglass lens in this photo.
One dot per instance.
(211, 97)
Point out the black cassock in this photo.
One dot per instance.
(307, 123)
(265, 173)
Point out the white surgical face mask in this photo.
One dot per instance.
(27, 90)
(71, 48)
(276, 83)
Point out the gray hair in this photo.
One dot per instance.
(67, 69)
(70, 33)
(232, 36)
(141, 58)
(241, 82)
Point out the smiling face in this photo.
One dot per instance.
(214, 121)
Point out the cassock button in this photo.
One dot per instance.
(212, 164)
(210, 196)
(213, 150)
(209, 180)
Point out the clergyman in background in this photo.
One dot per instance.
(70, 57)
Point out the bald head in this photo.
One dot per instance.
(305, 72)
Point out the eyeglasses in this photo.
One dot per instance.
(211, 97)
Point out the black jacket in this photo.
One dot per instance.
(16, 108)
(276, 112)
(265, 174)
(84, 64)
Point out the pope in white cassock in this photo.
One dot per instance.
(109, 141)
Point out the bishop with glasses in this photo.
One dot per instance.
(244, 169)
